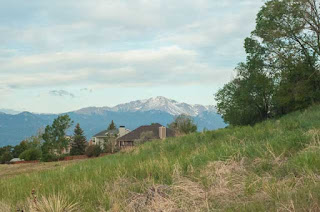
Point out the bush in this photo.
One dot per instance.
(6, 157)
(49, 157)
(183, 124)
(31, 154)
(93, 151)
(144, 137)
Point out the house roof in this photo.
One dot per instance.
(136, 134)
(104, 133)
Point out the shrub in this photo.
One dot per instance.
(93, 151)
(31, 154)
(6, 157)
(183, 124)
(49, 157)
(53, 203)
(144, 137)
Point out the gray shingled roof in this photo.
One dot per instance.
(104, 132)
(136, 134)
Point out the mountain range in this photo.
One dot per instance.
(16, 127)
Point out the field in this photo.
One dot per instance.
(273, 166)
(13, 170)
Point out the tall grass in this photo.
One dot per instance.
(273, 166)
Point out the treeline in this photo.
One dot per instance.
(50, 144)
(281, 73)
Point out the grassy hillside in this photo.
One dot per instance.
(273, 166)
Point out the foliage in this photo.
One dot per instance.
(281, 73)
(18, 149)
(6, 154)
(248, 98)
(78, 144)
(112, 126)
(47, 157)
(55, 135)
(144, 137)
(110, 144)
(34, 142)
(183, 124)
(93, 151)
(53, 157)
(31, 154)
(6, 157)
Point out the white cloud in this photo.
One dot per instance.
(129, 68)
(68, 45)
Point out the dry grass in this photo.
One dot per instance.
(17, 169)
(315, 135)
(225, 187)
(226, 181)
(54, 203)
(5, 207)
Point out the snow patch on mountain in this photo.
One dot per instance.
(158, 103)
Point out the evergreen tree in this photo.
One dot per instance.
(78, 145)
(112, 126)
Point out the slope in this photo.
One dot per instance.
(273, 166)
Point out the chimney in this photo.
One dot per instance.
(162, 132)
(122, 131)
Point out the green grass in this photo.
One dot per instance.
(273, 166)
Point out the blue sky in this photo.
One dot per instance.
(58, 56)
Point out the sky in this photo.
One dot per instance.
(63, 55)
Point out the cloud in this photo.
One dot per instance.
(61, 93)
(42, 26)
(163, 66)
(105, 43)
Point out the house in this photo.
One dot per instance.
(155, 131)
(67, 149)
(99, 139)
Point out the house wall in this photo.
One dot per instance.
(124, 144)
(100, 141)
(123, 131)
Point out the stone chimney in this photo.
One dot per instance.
(122, 131)
(162, 132)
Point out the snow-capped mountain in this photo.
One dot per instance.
(158, 103)
(95, 119)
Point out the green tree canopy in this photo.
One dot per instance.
(183, 124)
(55, 135)
(281, 73)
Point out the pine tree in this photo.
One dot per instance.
(78, 145)
(112, 126)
